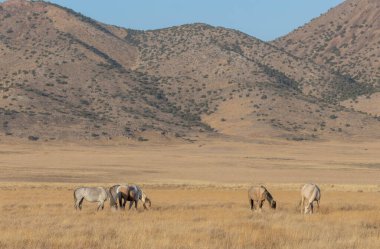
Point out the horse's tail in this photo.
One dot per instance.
(112, 198)
(107, 194)
(75, 199)
(302, 204)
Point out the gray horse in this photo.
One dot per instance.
(91, 194)
(309, 193)
(131, 193)
(257, 196)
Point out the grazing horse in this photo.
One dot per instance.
(309, 194)
(124, 193)
(257, 196)
(91, 194)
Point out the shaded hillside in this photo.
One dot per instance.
(243, 86)
(346, 39)
(63, 75)
(206, 53)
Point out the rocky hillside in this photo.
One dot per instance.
(207, 53)
(347, 39)
(66, 76)
(244, 87)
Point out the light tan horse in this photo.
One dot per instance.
(309, 193)
(257, 196)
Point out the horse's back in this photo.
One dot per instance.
(311, 192)
(256, 192)
(91, 193)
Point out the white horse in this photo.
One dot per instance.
(91, 194)
(309, 193)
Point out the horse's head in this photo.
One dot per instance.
(147, 200)
(309, 209)
(273, 204)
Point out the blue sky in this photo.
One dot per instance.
(264, 19)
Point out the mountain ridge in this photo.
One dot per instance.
(69, 76)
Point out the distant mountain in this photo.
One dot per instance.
(245, 87)
(346, 39)
(66, 76)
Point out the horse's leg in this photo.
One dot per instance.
(136, 205)
(113, 201)
(251, 203)
(311, 208)
(318, 206)
(256, 204)
(261, 204)
(302, 205)
(120, 201)
(79, 203)
(130, 205)
(125, 202)
(100, 205)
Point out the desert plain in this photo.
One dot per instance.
(198, 191)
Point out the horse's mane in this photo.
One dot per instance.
(267, 195)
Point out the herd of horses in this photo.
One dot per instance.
(121, 194)
(117, 194)
(310, 193)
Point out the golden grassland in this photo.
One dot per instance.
(43, 216)
(198, 191)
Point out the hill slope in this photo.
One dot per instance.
(244, 87)
(63, 75)
(347, 39)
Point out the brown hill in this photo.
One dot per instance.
(201, 50)
(347, 39)
(67, 76)
(244, 87)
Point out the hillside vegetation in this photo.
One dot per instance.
(347, 40)
(67, 76)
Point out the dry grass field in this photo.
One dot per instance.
(42, 216)
(198, 191)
